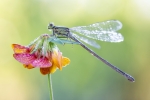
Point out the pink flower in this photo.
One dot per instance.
(41, 54)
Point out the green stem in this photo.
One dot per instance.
(50, 87)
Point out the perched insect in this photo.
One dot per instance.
(104, 31)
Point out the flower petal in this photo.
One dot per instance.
(45, 71)
(48, 70)
(28, 66)
(57, 59)
(42, 63)
(65, 61)
(53, 69)
(20, 49)
(24, 58)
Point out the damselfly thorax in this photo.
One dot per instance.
(60, 31)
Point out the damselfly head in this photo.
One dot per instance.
(50, 25)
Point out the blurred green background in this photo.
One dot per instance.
(86, 78)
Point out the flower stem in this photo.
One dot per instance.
(50, 87)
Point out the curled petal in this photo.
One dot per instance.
(56, 58)
(44, 71)
(48, 70)
(52, 69)
(42, 63)
(28, 66)
(24, 58)
(65, 61)
(59, 58)
(20, 49)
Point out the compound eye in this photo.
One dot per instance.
(50, 25)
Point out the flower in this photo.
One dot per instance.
(41, 54)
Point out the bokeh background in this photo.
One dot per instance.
(86, 78)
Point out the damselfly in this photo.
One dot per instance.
(104, 31)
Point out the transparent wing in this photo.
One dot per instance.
(90, 42)
(61, 41)
(104, 31)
